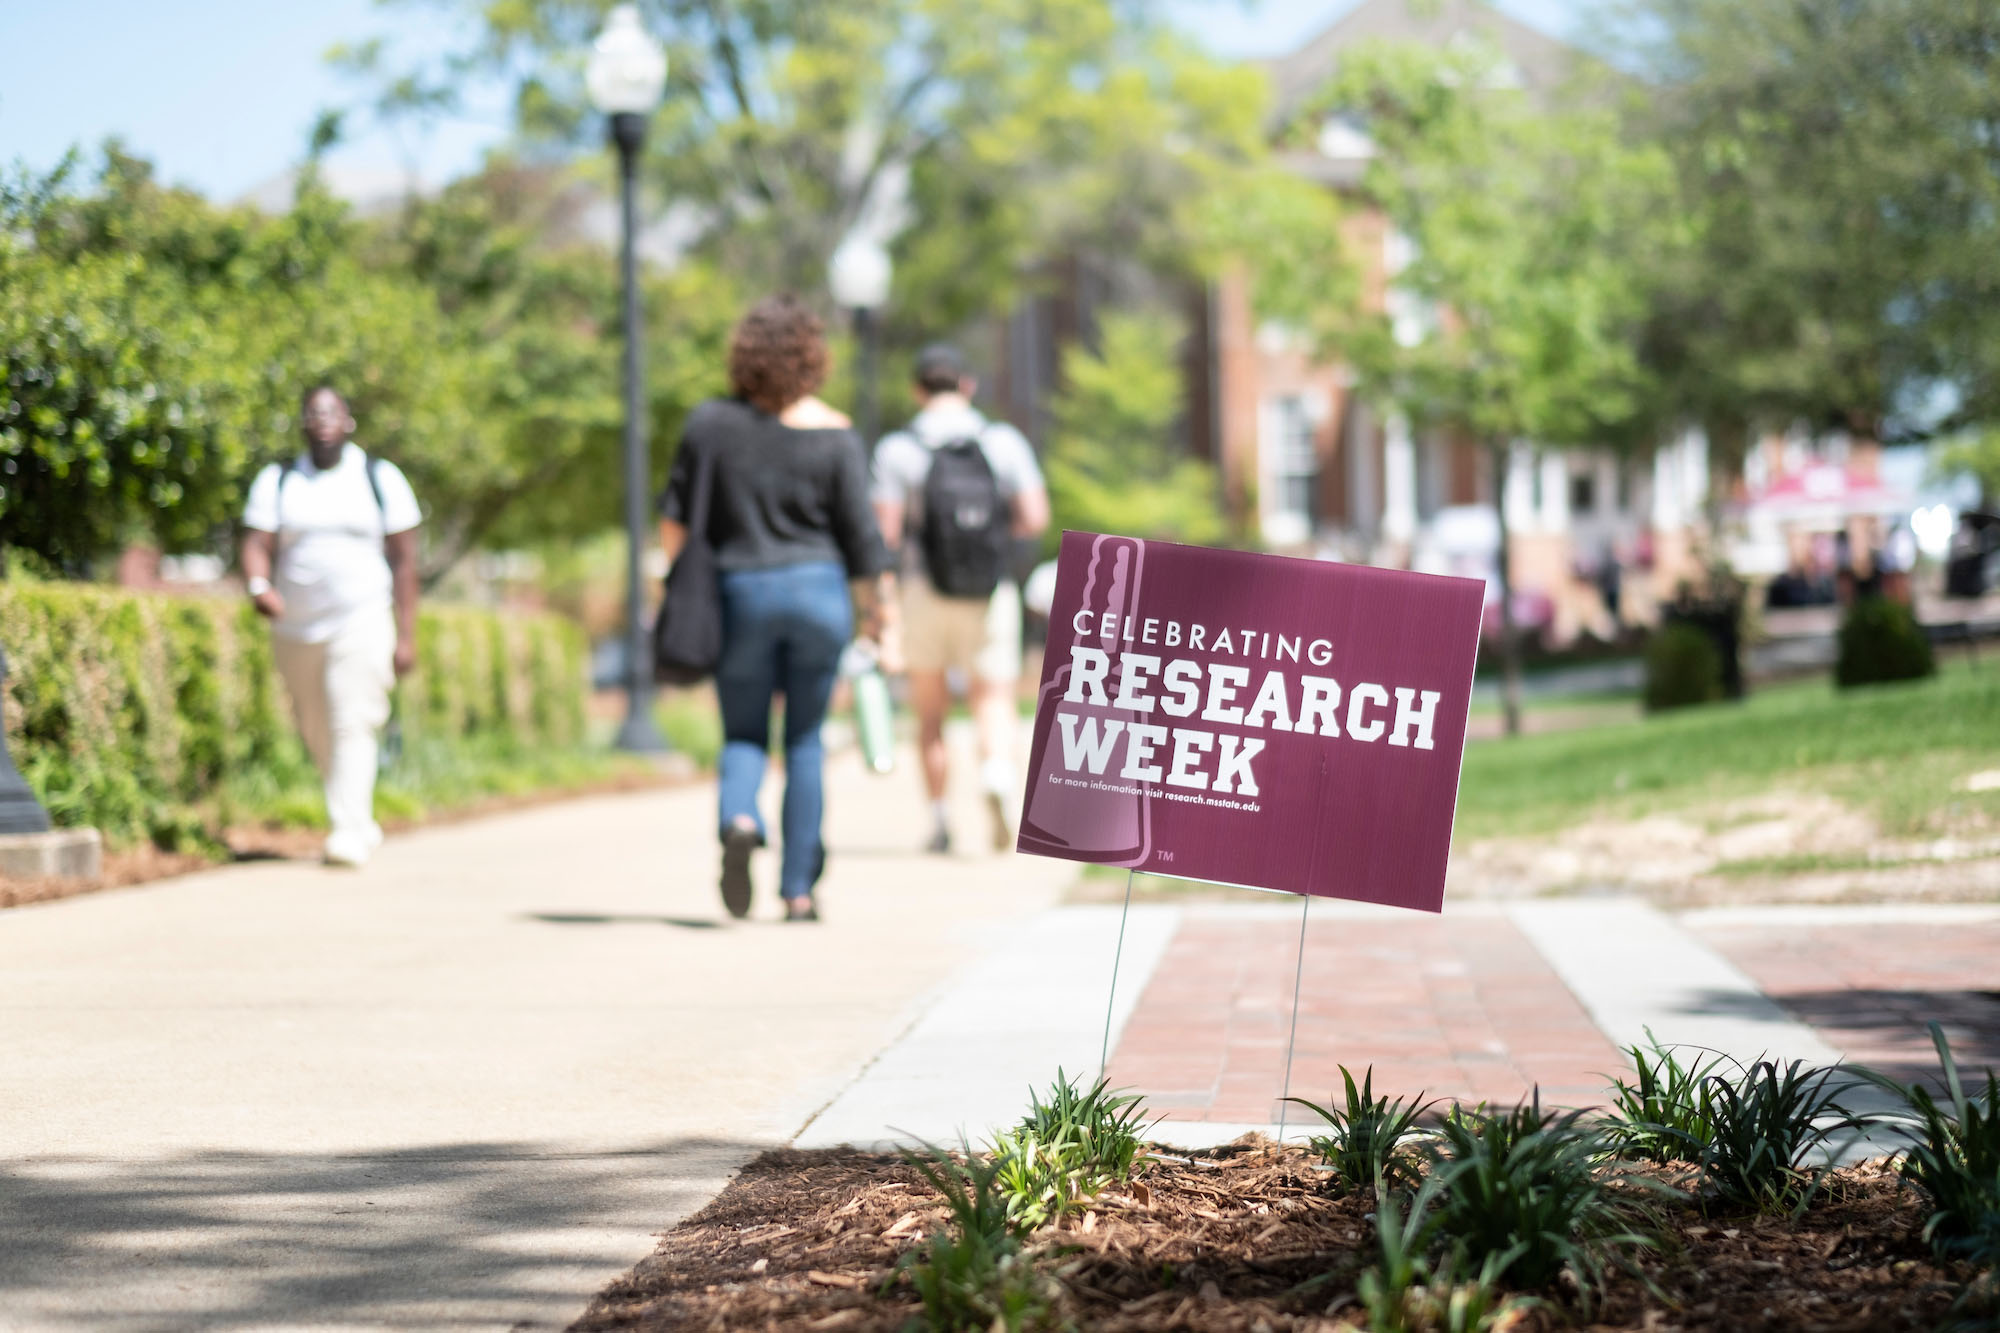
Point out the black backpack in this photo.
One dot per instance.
(967, 528)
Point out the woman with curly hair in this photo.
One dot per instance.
(789, 520)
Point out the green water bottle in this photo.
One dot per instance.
(874, 711)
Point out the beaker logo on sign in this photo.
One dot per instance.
(1074, 815)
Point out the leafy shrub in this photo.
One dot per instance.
(1880, 640)
(1763, 1124)
(1368, 1133)
(1682, 668)
(155, 716)
(1954, 1159)
(1522, 1194)
(1664, 1116)
(1066, 1150)
(972, 1274)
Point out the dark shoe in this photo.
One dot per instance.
(801, 909)
(737, 844)
(940, 843)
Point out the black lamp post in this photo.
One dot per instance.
(626, 74)
(858, 274)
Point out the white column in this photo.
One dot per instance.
(1667, 488)
(1518, 494)
(1555, 493)
(1399, 480)
(1680, 481)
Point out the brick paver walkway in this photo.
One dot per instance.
(1870, 988)
(1463, 1006)
(1459, 1006)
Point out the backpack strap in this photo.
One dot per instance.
(370, 466)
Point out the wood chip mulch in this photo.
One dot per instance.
(1248, 1239)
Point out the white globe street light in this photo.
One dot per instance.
(859, 274)
(625, 76)
(628, 69)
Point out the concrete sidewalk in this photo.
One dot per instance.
(460, 1089)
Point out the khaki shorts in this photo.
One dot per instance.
(982, 639)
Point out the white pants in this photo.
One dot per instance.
(340, 696)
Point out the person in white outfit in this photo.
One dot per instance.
(950, 454)
(330, 558)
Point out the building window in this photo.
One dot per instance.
(1582, 493)
(1294, 464)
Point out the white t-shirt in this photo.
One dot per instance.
(330, 564)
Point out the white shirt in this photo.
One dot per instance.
(330, 564)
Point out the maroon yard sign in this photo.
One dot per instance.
(1251, 719)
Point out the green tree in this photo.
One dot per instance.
(1113, 462)
(1516, 319)
(157, 347)
(1841, 164)
(1976, 453)
(995, 133)
(108, 428)
(153, 349)
(540, 303)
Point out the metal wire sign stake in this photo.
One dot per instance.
(1298, 670)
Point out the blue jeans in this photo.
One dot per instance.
(782, 632)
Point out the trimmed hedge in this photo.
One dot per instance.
(1880, 640)
(132, 711)
(1682, 667)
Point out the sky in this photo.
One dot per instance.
(221, 94)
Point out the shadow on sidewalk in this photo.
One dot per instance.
(1884, 1029)
(620, 919)
(486, 1234)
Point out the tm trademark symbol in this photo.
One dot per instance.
(1165, 856)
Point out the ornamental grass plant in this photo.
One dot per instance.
(1531, 1197)
(1409, 1290)
(1066, 1149)
(1365, 1145)
(1764, 1125)
(1663, 1115)
(1953, 1159)
(972, 1273)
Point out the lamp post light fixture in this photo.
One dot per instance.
(625, 77)
(859, 274)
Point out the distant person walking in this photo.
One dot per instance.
(330, 558)
(786, 513)
(956, 491)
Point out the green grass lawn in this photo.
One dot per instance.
(1897, 751)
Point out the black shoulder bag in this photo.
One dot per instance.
(687, 638)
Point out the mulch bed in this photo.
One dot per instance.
(1248, 1239)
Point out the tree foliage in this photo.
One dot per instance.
(154, 346)
(986, 135)
(1514, 316)
(1514, 319)
(1841, 164)
(1113, 462)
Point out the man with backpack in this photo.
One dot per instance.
(956, 491)
(330, 559)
